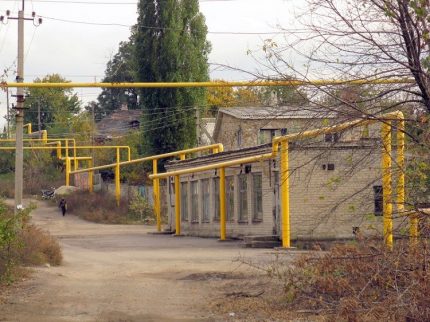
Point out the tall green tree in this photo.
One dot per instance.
(57, 105)
(171, 46)
(120, 68)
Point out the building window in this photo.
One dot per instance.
(331, 137)
(378, 200)
(204, 184)
(239, 137)
(266, 135)
(257, 193)
(229, 195)
(216, 199)
(194, 202)
(328, 166)
(243, 198)
(184, 201)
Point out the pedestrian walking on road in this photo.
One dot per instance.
(63, 206)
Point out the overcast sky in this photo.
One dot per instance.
(71, 43)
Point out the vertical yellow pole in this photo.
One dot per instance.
(222, 212)
(386, 184)
(285, 195)
(413, 229)
(59, 150)
(401, 165)
(182, 156)
(177, 206)
(129, 153)
(74, 156)
(67, 171)
(156, 194)
(90, 176)
(117, 179)
(67, 148)
(45, 136)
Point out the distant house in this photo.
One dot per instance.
(118, 124)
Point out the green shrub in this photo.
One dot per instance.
(22, 243)
(140, 210)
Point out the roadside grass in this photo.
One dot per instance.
(22, 244)
(101, 207)
(32, 187)
(362, 281)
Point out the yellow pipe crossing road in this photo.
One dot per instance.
(211, 84)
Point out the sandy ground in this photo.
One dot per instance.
(122, 273)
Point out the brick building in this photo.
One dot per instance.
(335, 191)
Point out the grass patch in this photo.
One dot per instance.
(101, 207)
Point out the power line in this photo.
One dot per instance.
(163, 28)
(105, 2)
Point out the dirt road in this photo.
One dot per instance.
(122, 273)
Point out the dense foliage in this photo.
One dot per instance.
(171, 46)
(57, 105)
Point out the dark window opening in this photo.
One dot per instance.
(378, 200)
(331, 137)
(328, 166)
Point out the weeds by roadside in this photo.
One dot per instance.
(23, 244)
(101, 208)
(363, 282)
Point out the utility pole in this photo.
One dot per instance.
(19, 115)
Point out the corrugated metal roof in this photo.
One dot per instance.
(280, 112)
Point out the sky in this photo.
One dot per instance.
(78, 37)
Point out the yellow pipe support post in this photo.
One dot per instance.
(67, 148)
(90, 176)
(156, 194)
(28, 126)
(285, 195)
(386, 184)
(44, 136)
(401, 165)
(117, 179)
(67, 171)
(182, 156)
(74, 158)
(222, 210)
(177, 206)
(413, 229)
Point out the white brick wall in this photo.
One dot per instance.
(323, 204)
